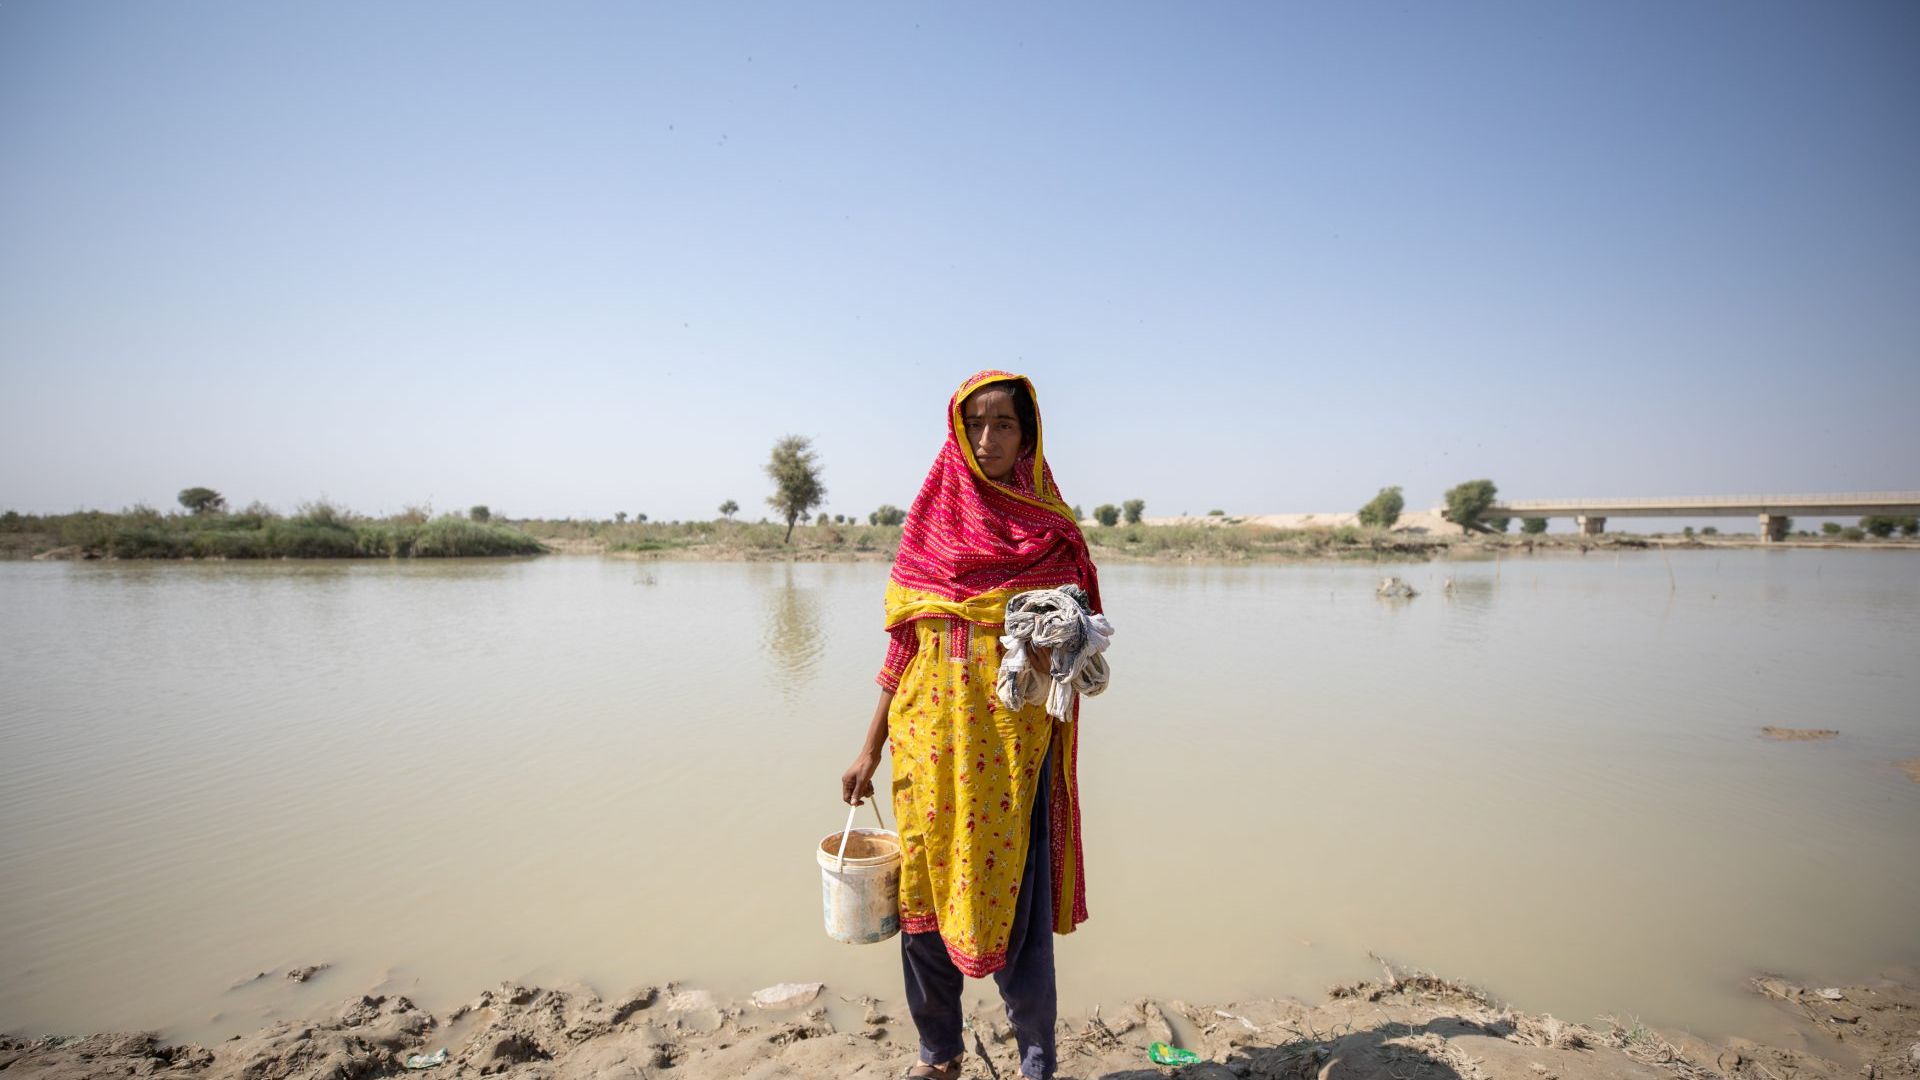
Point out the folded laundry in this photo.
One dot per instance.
(1061, 620)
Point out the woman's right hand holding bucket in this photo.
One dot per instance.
(856, 783)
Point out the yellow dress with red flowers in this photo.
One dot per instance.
(966, 771)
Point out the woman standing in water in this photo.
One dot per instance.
(985, 797)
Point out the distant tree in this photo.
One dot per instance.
(1107, 514)
(1533, 526)
(619, 517)
(1831, 528)
(480, 513)
(1468, 502)
(795, 471)
(1854, 533)
(888, 514)
(1384, 509)
(1709, 531)
(1079, 514)
(1878, 525)
(640, 519)
(1786, 524)
(203, 500)
(1216, 513)
(1497, 524)
(1910, 525)
(1686, 532)
(728, 509)
(1132, 509)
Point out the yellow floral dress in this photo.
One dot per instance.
(966, 771)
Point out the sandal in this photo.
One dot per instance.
(923, 1071)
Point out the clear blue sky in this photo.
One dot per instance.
(568, 259)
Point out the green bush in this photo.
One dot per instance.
(449, 537)
(1854, 533)
(148, 542)
(1132, 509)
(302, 538)
(1883, 525)
(90, 530)
(1831, 528)
(1533, 526)
(1384, 509)
(1468, 502)
(230, 544)
(1107, 514)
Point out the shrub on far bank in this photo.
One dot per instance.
(1107, 514)
(1831, 528)
(1467, 502)
(1883, 525)
(1533, 526)
(320, 530)
(1384, 509)
(1132, 509)
(1854, 533)
(450, 537)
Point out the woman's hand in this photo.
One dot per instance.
(856, 784)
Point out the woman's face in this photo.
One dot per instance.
(993, 430)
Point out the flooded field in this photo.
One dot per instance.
(1549, 779)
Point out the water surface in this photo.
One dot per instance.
(438, 775)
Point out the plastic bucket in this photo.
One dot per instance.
(860, 896)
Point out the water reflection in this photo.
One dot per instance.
(792, 635)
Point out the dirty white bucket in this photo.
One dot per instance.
(860, 882)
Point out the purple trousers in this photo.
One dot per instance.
(1026, 983)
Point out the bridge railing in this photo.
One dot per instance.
(1706, 502)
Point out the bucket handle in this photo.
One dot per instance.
(846, 832)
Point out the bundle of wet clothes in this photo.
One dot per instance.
(1061, 620)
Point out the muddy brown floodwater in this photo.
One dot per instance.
(1547, 777)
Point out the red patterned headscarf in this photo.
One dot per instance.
(970, 542)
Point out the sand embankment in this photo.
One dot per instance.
(1400, 1028)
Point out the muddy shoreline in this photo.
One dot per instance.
(1402, 1026)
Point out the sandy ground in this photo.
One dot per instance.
(1401, 1027)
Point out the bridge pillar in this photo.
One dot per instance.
(1773, 527)
(1591, 526)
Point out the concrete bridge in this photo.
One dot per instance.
(1772, 510)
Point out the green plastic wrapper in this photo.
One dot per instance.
(1162, 1054)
